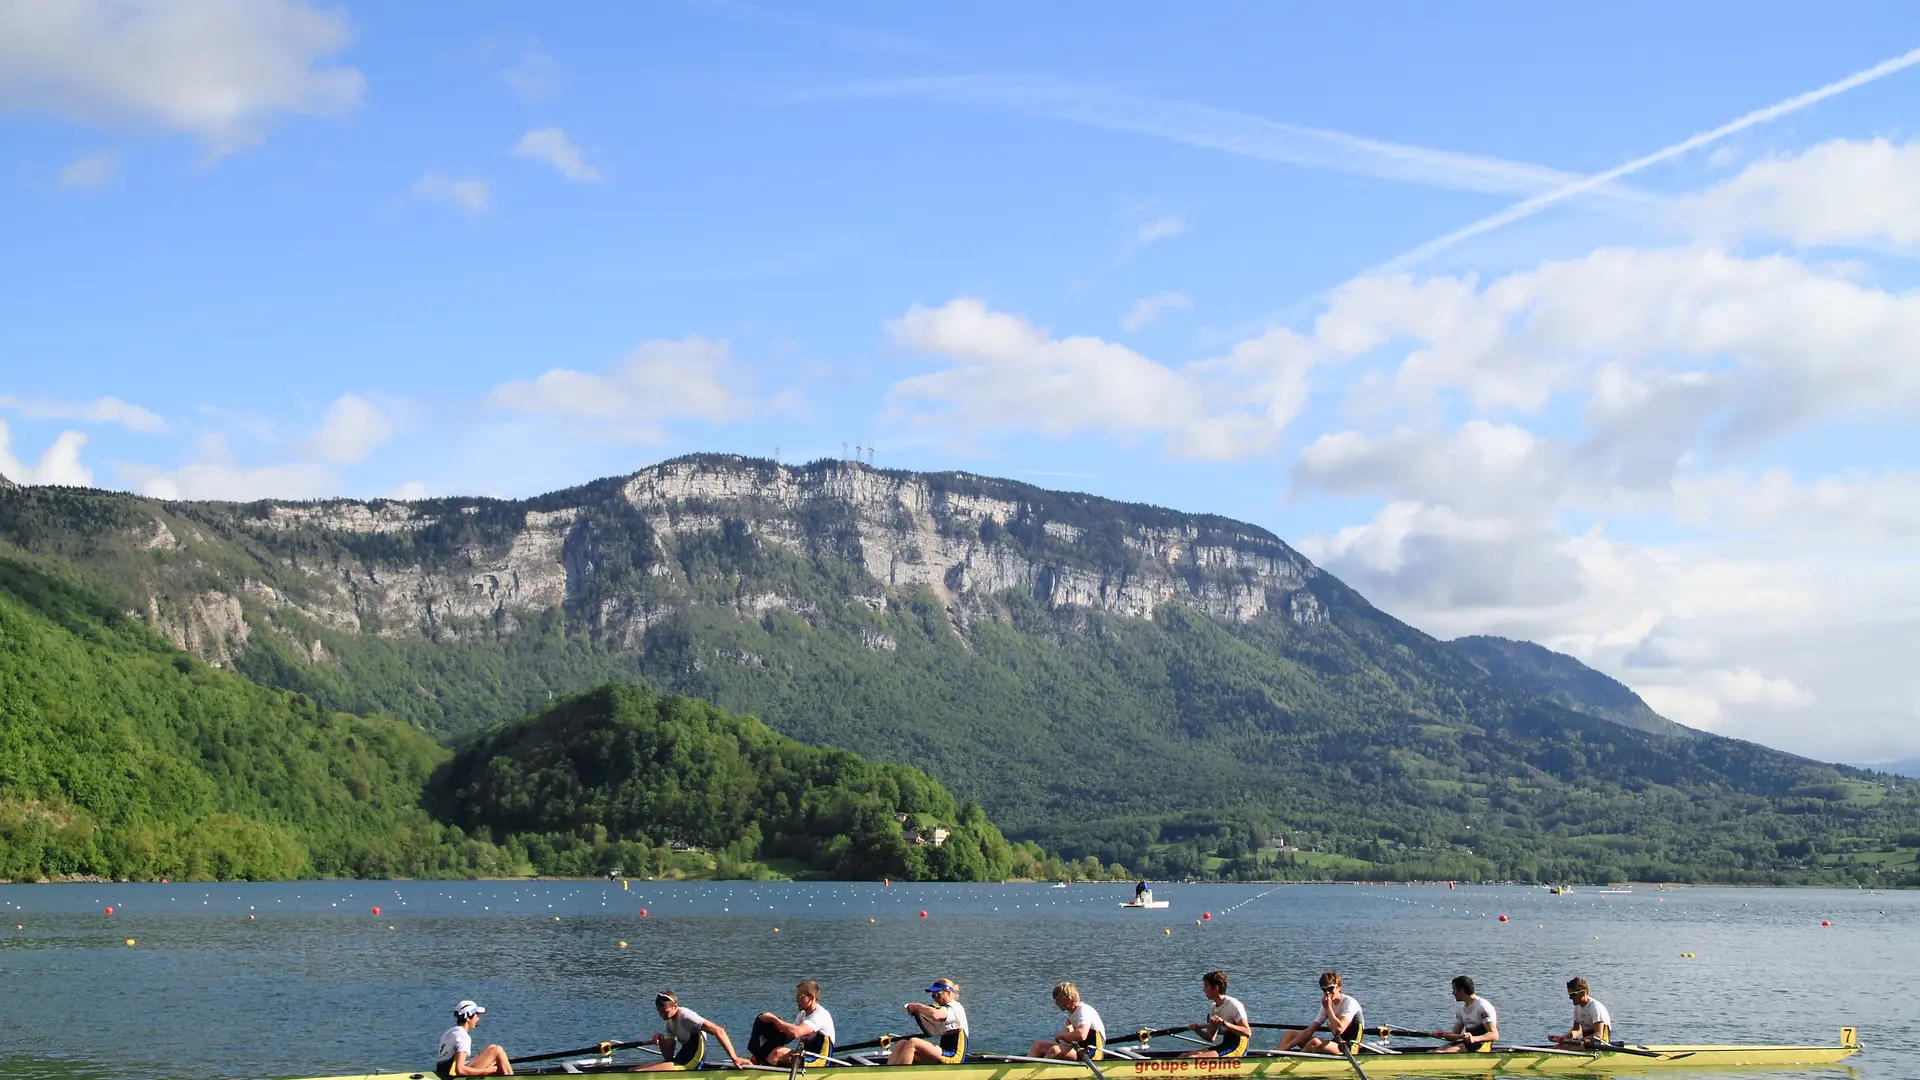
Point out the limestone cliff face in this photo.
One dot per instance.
(448, 569)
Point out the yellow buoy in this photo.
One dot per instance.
(776, 929)
(869, 922)
(623, 944)
(623, 886)
(129, 941)
(1166, 931)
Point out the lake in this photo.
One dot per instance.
(303, 979)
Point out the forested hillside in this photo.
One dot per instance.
(614, 778)
(121, 756)
(1563, 680)
(1175, 693)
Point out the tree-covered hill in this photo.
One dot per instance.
(1563, 680)
(1176, 693)
(616, 777)
(121, 756)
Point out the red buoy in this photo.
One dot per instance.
(1503, 918)
(109, 911)
(923, 914)
(376, 910)
(1823, 922)
(1206, 915)
(643, 913)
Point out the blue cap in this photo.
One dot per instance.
(938, 987)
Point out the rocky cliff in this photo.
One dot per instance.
(452, 568)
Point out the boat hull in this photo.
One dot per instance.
(1413, 1063)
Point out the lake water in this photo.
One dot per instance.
(302, 979)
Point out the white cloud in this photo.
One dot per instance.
(216, 69)
(1148, 308)
(1006, 373)
(693, 378)
(1159, 229)
(1838, 192)
(536, 77)
(468, 194)
(350, 430)
(551, 145)
(58, 464)
(106, 410)
(217, 475)
(95, 170)
(411, 491)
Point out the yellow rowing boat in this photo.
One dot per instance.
(1378, 1061)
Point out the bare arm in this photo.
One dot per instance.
(726, 1043)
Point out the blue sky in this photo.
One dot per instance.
(1664, 423)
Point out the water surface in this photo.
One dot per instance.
(301, 979)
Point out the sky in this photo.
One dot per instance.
(1591, 325)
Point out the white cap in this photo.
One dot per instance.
(467, 1008)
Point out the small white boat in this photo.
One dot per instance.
(1059, 884)
(1152, 905)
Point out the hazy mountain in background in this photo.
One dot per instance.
(1562, 679)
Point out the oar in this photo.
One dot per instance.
(1641, 1051)
(883, 1042)
(1145, 1035)
(1382, 1030)
(600, 1049)
(1348, 1054)
(1086, 1058)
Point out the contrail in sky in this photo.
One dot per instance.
(1529, 207)
(1230, 132)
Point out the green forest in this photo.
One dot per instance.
(122, 757)
(617, 778)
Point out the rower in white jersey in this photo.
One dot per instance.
(684, 1044)
(455, 1056)
(1592, 1025)
(1226, 1023)
(812, 1026)
(945, 1025)
(1340, 1015)
(1083, 1032)
(1476, 1023)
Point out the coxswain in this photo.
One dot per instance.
(456, 1057)
(1341, 1016)
(1592, 1025)
(1083, 1031)
(1140, 890)
(1476, 1023)
(945, 1025)
(684, 1044)
(1226, 1023)
(811, 1027)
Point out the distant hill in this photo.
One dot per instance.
(1565, 681)
(1177, 693)
(1909, 767)
(638, 774)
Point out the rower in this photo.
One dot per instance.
(456, 1057)
(1226, 1021)
(1476, 1024)
(812, 1027)
(684, 1044)
(1083, 1030)
(1340, 1014)
(944, 1020)
(1141, 892)
(1592, 1026)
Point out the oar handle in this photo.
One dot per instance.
(883, 1042)
(1145, 1034)
(602, 1049)
(1382, 1030)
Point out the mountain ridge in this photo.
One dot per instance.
(1136, 684)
